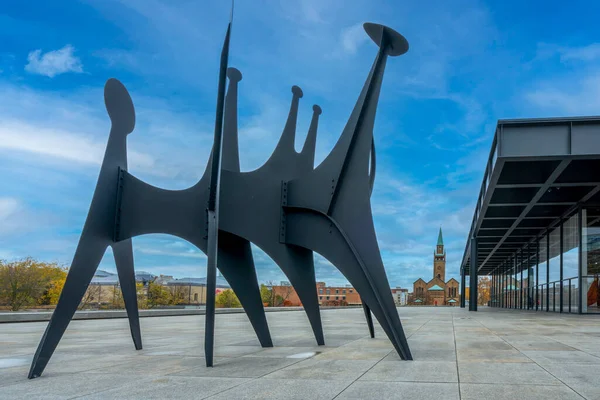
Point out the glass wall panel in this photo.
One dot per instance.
(554, 243)
(590, 253)
(543, 279)
(570, 264)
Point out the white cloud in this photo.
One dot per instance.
(54, 62)
(8, 207)
(64, 145)
(159, 252)
(352, 37)
(572, 95)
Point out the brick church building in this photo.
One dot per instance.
(436, 292)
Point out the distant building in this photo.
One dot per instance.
(437, 291)
(342, 294)
(104, 287)
(328, 295)
(400, 296)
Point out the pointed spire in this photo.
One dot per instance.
(440, 241)
(308, 151)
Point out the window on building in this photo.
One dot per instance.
(320, 291)
(337, 291)
(350, 290)
(328, 291)
(337, 297)
(320, 297)
(343, 297)
(344, 291)
(327, 297)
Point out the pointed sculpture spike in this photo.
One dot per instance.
(285, 146)
(310, 144)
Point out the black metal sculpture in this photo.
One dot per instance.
(287, 208)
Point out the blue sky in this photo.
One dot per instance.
(469, 64)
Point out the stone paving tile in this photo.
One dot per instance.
(576, 374)
(566, 357)
(493, 349)
(413, 371)
(151, 365)
(169, 387)
(242, 367)
(500, 356)
(425, 355)
(349, 353)
(62, 386)
(324, 369)
(590, 392)
(289, 389)
(474, 391)
(513, 373)
(361, 390)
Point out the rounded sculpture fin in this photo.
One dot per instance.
(119, 106)
(396, 44)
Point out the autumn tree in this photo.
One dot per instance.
(265, 294)
(158, 295)
(119, 303)
(28, 282)
(483, 290)
(178, 294)
(227, 299)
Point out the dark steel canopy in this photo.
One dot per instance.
(538, 171)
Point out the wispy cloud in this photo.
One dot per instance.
(352, 37)
(54, 62)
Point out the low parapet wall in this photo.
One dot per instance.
(37, 316)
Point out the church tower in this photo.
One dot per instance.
(439, 259)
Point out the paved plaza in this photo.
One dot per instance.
(491, 354)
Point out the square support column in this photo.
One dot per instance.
(580, 297)
(463, 291)
(560, 296)
(473, 276)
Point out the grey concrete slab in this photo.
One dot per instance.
(491, 349)
(414, 371)
(169, 387)
(563, 357)
(474, 391)
(362, 390)
(241, 367)
(513, 373)
(575, 374)
(324, 369)
(62, 386)
(292, 389)
(499, 356)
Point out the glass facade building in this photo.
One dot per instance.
(560, 277)
(536, 226)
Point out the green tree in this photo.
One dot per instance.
(266, 295)
(227, 299)
(119, 303)
(158, 295)
(27, 282)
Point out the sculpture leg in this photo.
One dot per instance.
(85, 262)
(299, 267)
(123, 253)
(364, 271)
(369, 318)
(237, 266)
